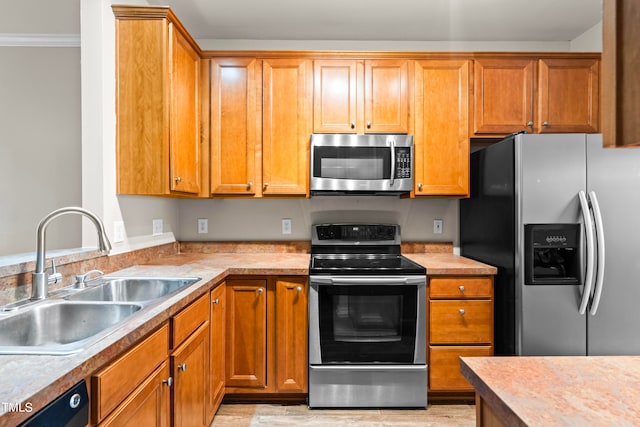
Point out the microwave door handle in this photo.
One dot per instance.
(393, 161)
(597, 214)
(588, 225)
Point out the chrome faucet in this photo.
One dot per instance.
(40, 278)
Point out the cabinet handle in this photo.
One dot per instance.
(182, 367)
(215, 301)
(461, 288)
(461, 311)
(299, 289)
(419, 187)
(545, 123)
(260, 291)
(168, 382)
(249, 185)
(178, 179)
(368, 125)
(530, 124)
(353, 125)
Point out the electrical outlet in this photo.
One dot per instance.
(157, 227)
(118, 231)
(437, 226)
(286, 225)
(203, 225)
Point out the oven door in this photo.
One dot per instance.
(361, 163)
(367, 320)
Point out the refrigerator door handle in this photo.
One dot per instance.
(588, 225)
(597, 214)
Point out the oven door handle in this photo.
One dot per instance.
(368, 281)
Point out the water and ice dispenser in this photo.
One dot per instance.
(552, 254)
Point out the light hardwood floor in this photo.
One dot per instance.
(436, 415)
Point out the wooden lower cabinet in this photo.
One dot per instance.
(148, 405)
(217, 348)
(189, 366)
(266, 335)
(460, 313)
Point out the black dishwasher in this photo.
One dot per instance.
(68, 410)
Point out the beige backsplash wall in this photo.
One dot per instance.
(242, 219)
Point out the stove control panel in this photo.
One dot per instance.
(357, 232)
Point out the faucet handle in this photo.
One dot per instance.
(80, 278)
(54, 277)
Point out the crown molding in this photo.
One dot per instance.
(39, 40)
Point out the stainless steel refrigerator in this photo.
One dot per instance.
(559, 215)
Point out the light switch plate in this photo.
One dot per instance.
(157, 227)
(118, 231)
(437, 226)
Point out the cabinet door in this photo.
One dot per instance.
(246, 355)
(441, 128)
(190, 372)
(503, 98)
(217, 349)
(234, 126)
(568, 96)
(334, 96)
(184, 141)
(386, 96)
(286, 125)
(291, 335)
(148, 405)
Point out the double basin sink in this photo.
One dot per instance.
(81, 318)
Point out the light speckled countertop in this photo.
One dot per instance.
(39, 379)
(558, 391)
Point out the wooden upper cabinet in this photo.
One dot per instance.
(386, 96)
(157, 104)
(352, 96)
(334, 98)
(620, 79)
(235, 123)
(184, 140)
(503, 96)
(568, 96)
(441, 139)
(286, 126)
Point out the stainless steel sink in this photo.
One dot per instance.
(60, 327)
(131, 289)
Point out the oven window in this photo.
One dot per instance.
(362, 163)
(367, 324)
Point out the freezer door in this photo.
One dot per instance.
(551, 171)
(614, 175)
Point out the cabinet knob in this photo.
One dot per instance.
(545, 123)
(530, 124)
(461, 311)
(368, 125)
(168, 382)
(265, 185)
(353, 125)
(178, 179)
(215, 301)
(419, 186)
(182, 367)
(299, 289)
(461, 288)
(249, 185)
(260, 291)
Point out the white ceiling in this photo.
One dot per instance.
(393, 20)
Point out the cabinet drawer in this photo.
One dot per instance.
(460, 322)
(113, 384)
(188, 320)
(461, 287)
(444, 366)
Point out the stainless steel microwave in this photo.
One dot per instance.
(343, 164)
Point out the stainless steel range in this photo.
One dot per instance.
(367, 319)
